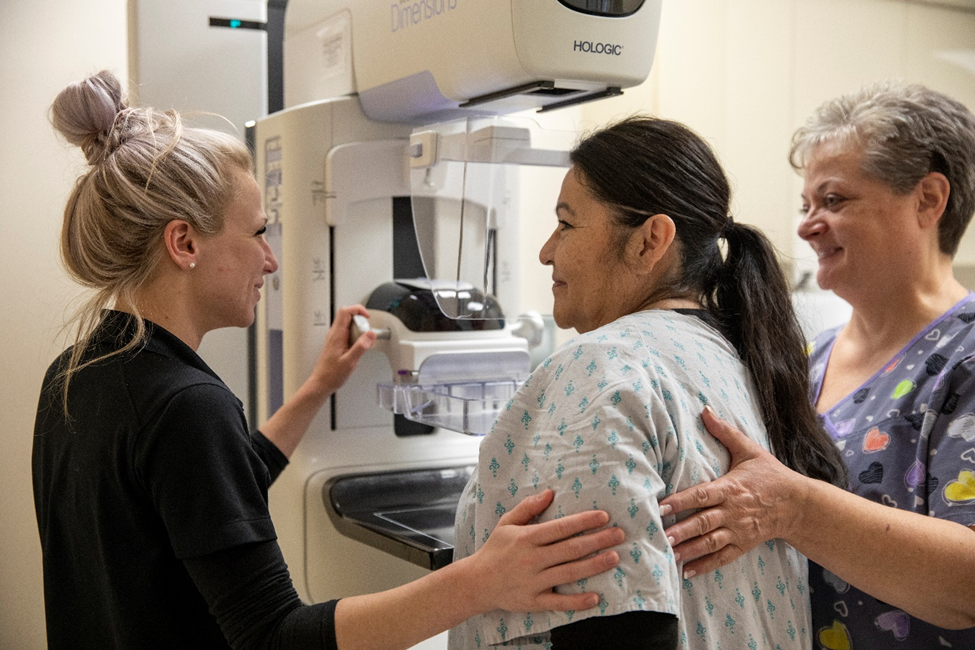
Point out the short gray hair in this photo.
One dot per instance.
(905, 132)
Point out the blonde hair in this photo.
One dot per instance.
(145, 169)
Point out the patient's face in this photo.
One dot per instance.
(585, 265)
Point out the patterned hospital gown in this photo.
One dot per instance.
(908, 437)
(611, 421)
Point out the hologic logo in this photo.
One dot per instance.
(597, 48)
(407, 13)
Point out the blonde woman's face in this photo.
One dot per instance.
(235, 260)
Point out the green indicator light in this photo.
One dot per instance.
(234, 24)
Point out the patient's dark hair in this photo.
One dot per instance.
(644, 166)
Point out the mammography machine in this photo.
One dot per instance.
(394, 179)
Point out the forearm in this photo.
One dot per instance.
(515, 570)
(865, 543)
(871, 545)
(249, 592)
(289, 423)
(338, 359)
(406, 615)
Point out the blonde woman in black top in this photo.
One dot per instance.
(151, 495)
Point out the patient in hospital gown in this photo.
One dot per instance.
(611, 420)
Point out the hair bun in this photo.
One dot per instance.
(85, 113)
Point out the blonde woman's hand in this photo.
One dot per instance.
(338, 359)
(521, 562)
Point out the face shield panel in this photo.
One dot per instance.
(484, 191)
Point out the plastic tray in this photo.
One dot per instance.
(466, 407)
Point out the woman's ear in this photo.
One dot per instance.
(181, 243)
(650, 242)
(932, 193)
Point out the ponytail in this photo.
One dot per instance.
(753, 305)
(643, 166)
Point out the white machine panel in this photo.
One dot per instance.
(339, 171)
(420, 61)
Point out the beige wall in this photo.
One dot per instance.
(44, 44)
(744, 73)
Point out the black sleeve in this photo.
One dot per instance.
(196, 450)
(270, 454)
(631, 630)
(249, 592)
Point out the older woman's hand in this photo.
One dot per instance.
(757, 500)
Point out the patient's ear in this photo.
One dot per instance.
(650, 242)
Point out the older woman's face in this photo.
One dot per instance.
(863, 234)
(585, 264)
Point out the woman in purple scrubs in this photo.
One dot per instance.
(889, 190)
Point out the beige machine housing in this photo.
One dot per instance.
(360, 76)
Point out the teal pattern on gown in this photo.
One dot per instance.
(612, 421)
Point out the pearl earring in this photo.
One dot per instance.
(192, 265)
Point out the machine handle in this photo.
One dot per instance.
(360, 325)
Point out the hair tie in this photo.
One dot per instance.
(104, 144)
(728, 226)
